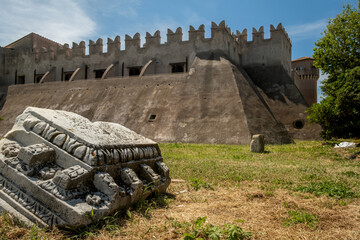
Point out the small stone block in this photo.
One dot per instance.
(71, 178)
(163, 169)
(257, 143)
(37, 153)
(106, 184)
(148, 173)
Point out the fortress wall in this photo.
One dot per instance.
(66, 59)
(5, 77)
(205, 106)
(275, 51)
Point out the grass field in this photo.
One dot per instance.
(307, 190)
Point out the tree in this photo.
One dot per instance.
(337, 53)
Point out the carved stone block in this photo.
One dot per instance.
(68, 167)
(70, 178)
(35, 154)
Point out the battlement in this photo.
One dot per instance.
(114, 45)
(174, 36)
(96, 47)
(78, 49)
(258, 35)
(198, 34)
(176, 54)
(221, 28)
(153, 39)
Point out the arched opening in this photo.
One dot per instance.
(299, 124)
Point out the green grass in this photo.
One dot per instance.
(201, 230)
(307, 166)
(301, 217)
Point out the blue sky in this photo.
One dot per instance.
(76, 20)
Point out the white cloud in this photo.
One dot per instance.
(119, 8)
(307, 30)
(62, 21)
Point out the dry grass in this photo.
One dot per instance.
(259, 189)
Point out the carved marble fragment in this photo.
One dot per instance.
(57, 168)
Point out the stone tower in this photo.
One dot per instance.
(305, 78)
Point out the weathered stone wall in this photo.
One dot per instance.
(213, 103)
(3, 84)
(260, 52)
(175, 50)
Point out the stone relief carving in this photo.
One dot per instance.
(56, 167)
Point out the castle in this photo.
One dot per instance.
(221, 89)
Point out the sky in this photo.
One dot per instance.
(68, 21)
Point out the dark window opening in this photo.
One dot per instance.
(134, 71)
(38, 77)
(298, 124)
(301, 68)
(20, 80)
(152, 117)
(177, 67)
(67, 76)
(99, 73)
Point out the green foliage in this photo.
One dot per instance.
(2, 118)
(200, 230)
(235, 232)
(328, 188)
(338, 49)
(300, 216)
(337, 53)
(199, 183)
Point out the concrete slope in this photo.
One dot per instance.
(259, 115)
(285, 100)
(207, 105)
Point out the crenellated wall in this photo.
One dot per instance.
(34, 62)
(274, 51)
